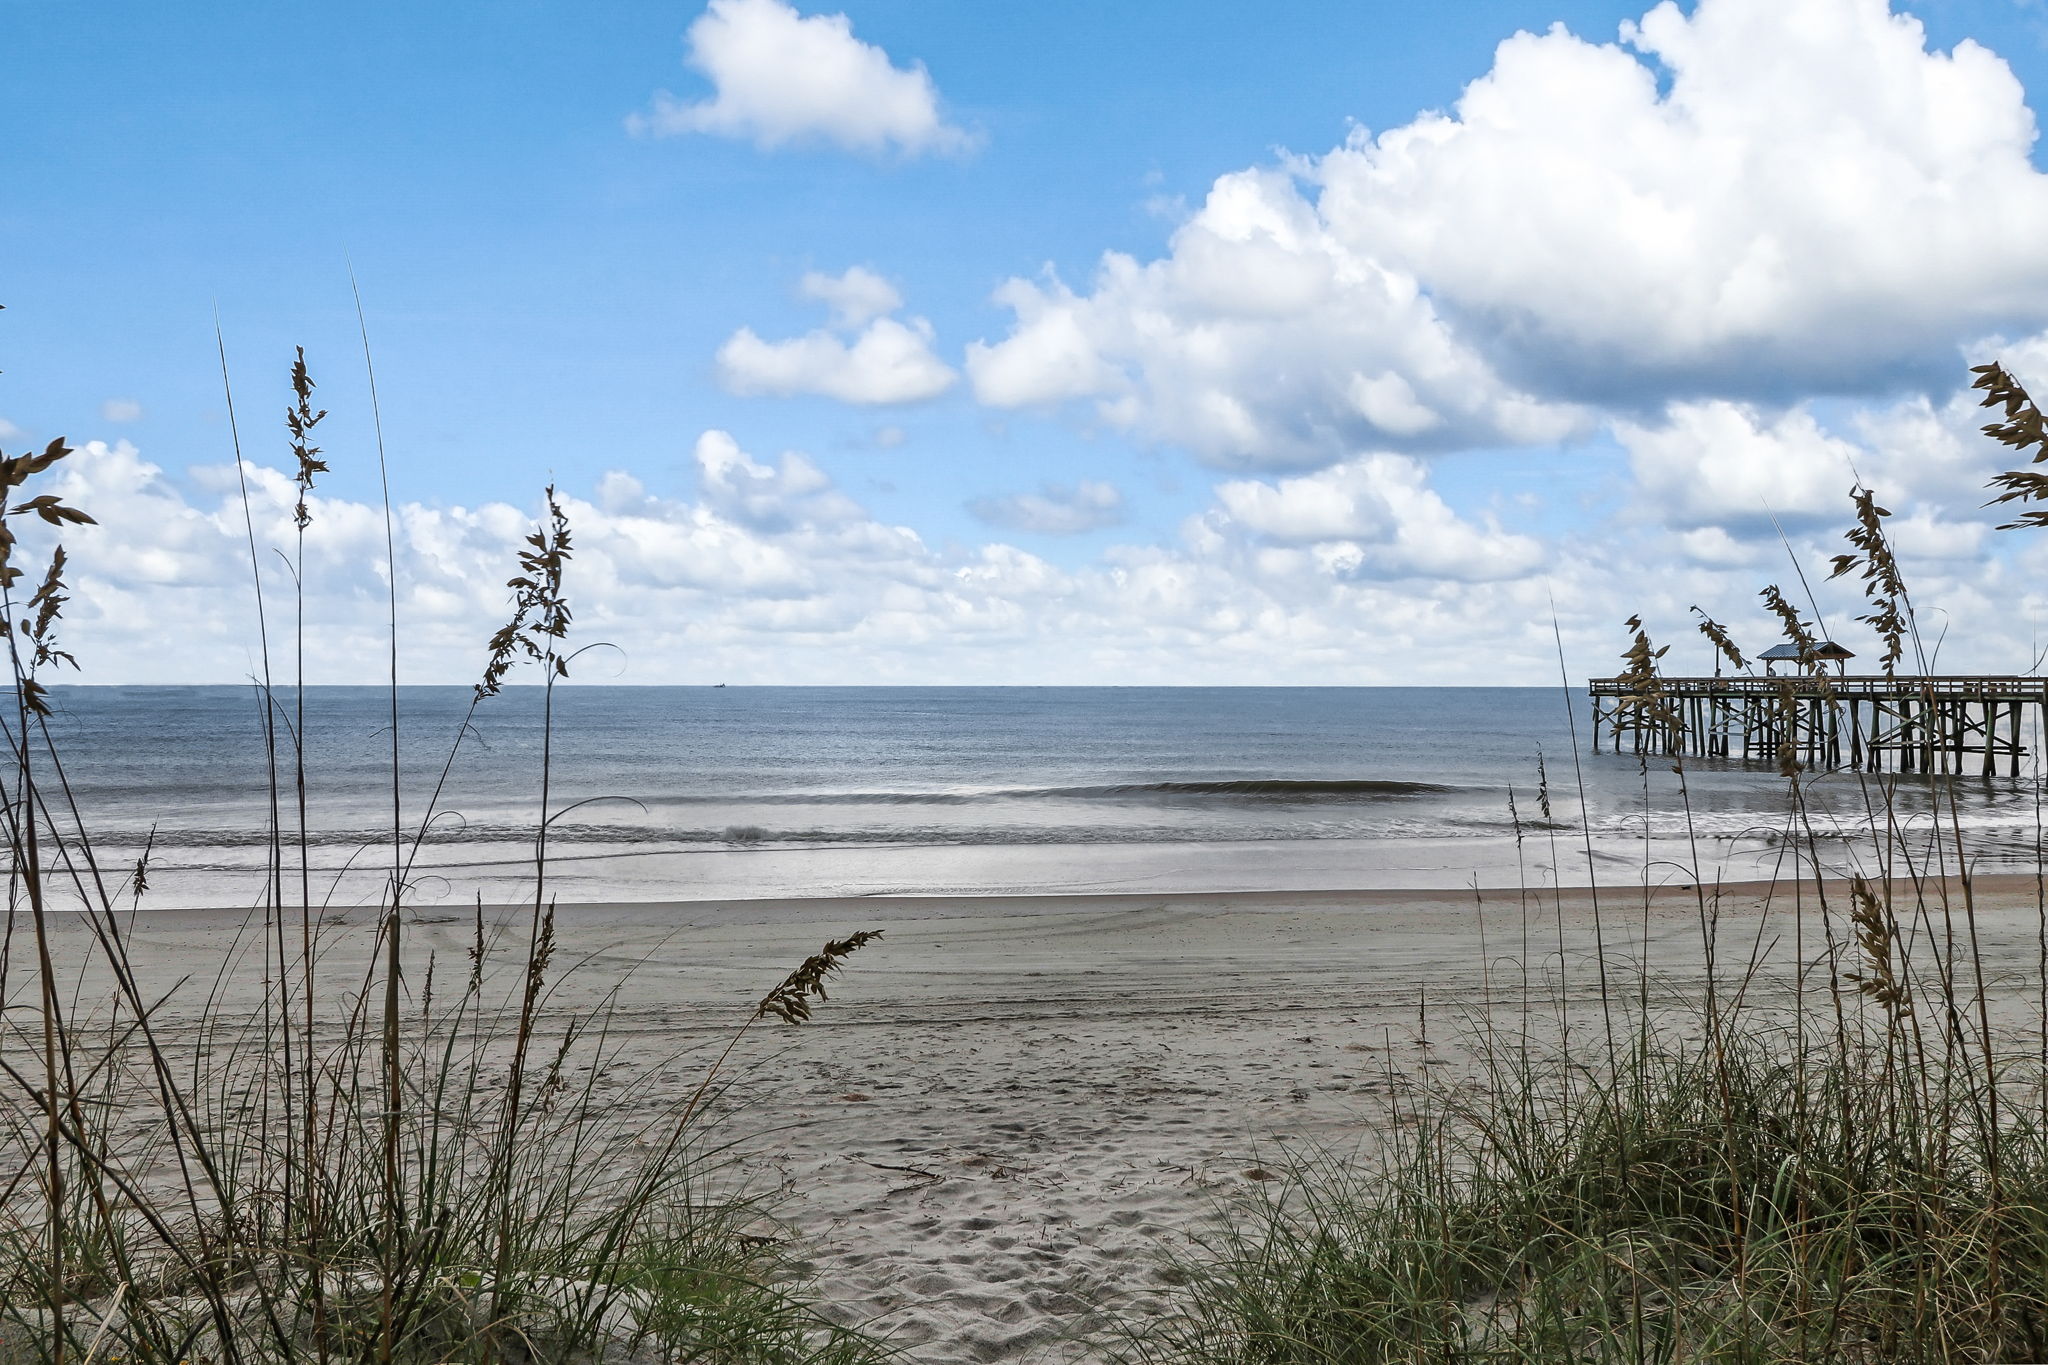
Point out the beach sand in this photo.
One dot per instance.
(1012, 1111)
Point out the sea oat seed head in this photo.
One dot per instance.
(790, 1001)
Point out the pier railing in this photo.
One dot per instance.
(1903, 723)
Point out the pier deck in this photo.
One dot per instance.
(1942, 724)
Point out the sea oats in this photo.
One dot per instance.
(540, 611)
(1883, 582)
(2022, 430)
(790, 1001)
(299, 420)
(1718, 636)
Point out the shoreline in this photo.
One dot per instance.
(1433, 856)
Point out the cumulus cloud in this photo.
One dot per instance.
(889, 362)
(856, 298)
(1259, 341)
(1375, 516)
(1731, 466)
(1732, 240)
(863, 357)
(1055, 510)
(779, 77)
(765, 547)
(791, 492)
(1750, 202)
(1817, 199)
(1730, 477)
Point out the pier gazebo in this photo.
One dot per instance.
(1827, 652)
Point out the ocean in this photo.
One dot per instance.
(701, 793)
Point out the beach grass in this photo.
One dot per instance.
(387, 1157)
(1854, 1170)
(1741, 1199)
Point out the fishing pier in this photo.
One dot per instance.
(1898, 724)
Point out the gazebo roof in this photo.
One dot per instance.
(1826, 649)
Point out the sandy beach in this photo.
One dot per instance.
(1012, 1111)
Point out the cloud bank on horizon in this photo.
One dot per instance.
(1747, 250)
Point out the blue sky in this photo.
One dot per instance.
(549, 289)
(545, 283)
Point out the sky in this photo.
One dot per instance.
(1059, 343)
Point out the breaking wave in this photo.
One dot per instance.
(1332, 790)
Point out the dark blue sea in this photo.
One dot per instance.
(700, 793)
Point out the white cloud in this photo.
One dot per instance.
(789, 493)
(1729, 465)
(1259, 341)
(1817, 199)
(121, 410)
(1050, 356)
(1681, 238)
(1374, 516)
(765, 548)
(1810, 201)
(888, 360)
(856, 298)
(1388, 402)
(1730, 476)
(1055, 510)
(780, 77)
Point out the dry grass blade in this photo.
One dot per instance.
(92, 1352)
